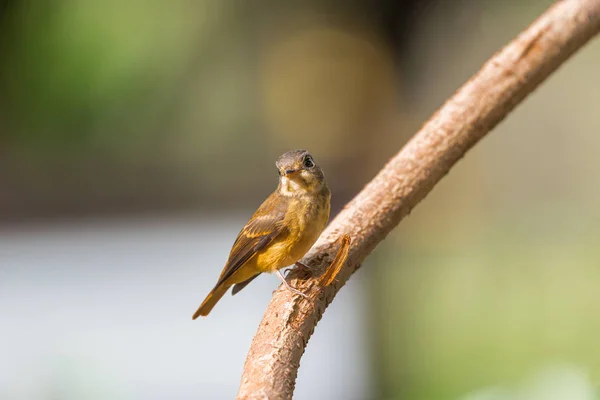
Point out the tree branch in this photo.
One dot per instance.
(503, 82)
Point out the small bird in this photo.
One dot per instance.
(281, 231)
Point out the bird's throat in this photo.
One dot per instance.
(290, 187)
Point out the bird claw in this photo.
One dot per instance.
(303, 266)
(298, 265)
(290, 288)
(296, 291)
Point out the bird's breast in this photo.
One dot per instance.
(308, 222)
(305, 220)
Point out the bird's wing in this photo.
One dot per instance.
(239, 286)
(264, 226)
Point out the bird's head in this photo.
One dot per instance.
(299, 173)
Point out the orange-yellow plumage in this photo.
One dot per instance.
(281, 231)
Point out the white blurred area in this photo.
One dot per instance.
(102, 310)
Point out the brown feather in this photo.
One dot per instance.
(264, 226)
(239, 286)
(209, 302)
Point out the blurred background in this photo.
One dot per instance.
(136, 138)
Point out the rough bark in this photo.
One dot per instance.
(503, 82)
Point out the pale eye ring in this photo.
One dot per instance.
(308, 162)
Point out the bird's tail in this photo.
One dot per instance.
(210, 301)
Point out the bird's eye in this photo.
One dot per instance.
(308, 162)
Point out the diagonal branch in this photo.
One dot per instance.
(503, 82)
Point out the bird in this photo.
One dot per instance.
(281, 231)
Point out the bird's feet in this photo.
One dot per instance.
(289, 287)
(304, 266)
(300, 266)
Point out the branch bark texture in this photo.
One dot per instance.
(503, 82)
